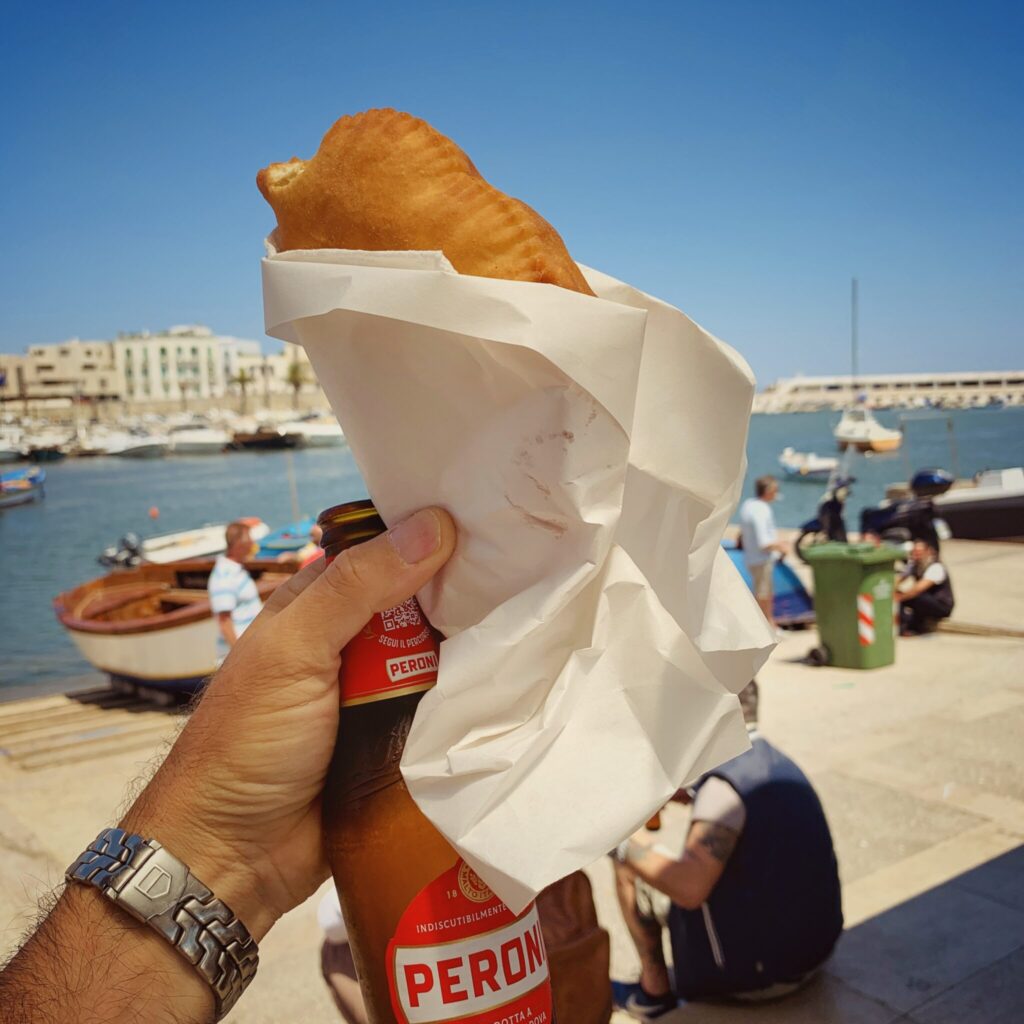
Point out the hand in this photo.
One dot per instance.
(238, 796)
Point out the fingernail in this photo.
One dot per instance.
(417, 537)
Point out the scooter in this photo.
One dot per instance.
(828, 524)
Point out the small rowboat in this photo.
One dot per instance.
(807, 465)
(152, 626)
(20, 486)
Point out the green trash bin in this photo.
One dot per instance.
(853, 602)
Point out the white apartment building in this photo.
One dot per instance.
(182, 363)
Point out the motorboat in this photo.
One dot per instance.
(198, 439)
(46, 446)
(135, 446)
(202, 542)
(807, 465)
(21, 486)
(152, 626)
(315, 433)
(10, 444)
(859, 429)
(264, 438)
(991, 508)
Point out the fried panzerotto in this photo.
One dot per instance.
(385, 180)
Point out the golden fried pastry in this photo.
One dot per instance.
(387, 181)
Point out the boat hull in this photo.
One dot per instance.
(989, 518)
(9, 499)
(142, 451)
(177, 658)
(198, 447)
(872, 445)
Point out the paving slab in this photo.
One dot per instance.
(992, 996)
(907, 955)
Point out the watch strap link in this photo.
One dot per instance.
(158, 889)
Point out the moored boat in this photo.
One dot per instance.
(197, 439)
(859, 429)
(265, 438)
(152, 626)
(21, 486)
(202, 542)
(807, 465)
(315, 433)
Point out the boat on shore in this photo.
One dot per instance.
(859, 429)
(989, 508)
(21, 486)
(807, 466)
(152, 626)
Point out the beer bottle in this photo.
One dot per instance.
(430, 941)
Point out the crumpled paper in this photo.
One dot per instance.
(591, 451)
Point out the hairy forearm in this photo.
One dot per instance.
(90, 963)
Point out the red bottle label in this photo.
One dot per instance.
(395, 653)
(459, 954)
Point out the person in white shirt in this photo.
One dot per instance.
(925, 593)
(234, 598)
(761, 544)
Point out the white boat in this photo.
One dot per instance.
(991, 509)
(135, 446)
(860, 430)
(199, 543)
(196, 439)
(21, 486)
(315, 433)
(152, 625)
(807, 465)
(10, 451)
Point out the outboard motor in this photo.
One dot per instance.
(126, 555)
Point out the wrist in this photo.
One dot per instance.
(230, 874)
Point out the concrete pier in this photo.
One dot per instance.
(919, 767)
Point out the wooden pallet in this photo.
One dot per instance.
(48, 731)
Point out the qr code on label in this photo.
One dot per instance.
(402, 615)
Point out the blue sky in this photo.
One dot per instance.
(741, 160)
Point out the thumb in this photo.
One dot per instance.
(365, 579)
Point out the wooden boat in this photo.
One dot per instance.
(152, 626)
(264, 439)
(20, 486)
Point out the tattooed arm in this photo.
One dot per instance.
(688, 880)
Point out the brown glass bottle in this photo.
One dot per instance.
(383, 851)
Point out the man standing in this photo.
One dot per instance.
(752, 903)
(760, 541)
(233, 596)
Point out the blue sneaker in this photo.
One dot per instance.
(637, 1003)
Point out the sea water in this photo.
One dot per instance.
(52, 545)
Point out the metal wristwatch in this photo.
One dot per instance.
(156, 888)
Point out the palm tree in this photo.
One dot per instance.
(242, 379)
(296, 378)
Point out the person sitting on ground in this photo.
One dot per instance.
(925, 593)
(752, 903)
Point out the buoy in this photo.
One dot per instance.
(154, 512)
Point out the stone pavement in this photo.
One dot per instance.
(919, 766)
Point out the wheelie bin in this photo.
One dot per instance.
(853, 601)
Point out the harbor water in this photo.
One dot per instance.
(52, 545)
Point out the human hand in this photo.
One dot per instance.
(238, 797)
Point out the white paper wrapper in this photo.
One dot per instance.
(591, 451)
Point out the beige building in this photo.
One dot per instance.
(181, 365)
(966, 389)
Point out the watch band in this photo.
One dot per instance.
(158, 889)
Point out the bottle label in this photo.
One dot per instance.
(395, 653)
(459, 954)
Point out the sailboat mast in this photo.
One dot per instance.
(853, 337)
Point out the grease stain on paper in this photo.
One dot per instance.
(553, 526)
